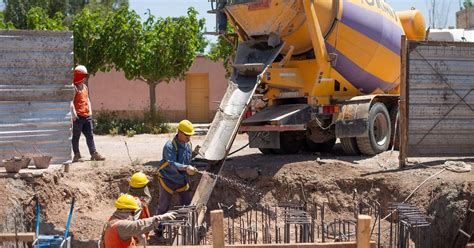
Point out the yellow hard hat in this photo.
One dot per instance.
(126, 201)
(186, 127)
(138, 180)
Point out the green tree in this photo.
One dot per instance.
(467, 3)
(16, 11)
(38, 19)
(224, 49)
(156, 51)
(4, 24)
(90, 40)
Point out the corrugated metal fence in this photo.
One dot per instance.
(35, 93)
(439, 99)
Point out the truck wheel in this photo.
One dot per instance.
(349, 146)
(290, 143)
(266, 151)
(379, 133)
(320, 147)
(393, 117)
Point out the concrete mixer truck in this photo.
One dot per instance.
(321, 69)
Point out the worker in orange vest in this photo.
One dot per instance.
(81, 113)
(124, 225)
(138, 188)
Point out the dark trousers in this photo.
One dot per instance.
(221, 18)
(82, 125)
(165, 198)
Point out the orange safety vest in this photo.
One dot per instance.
(112, 238)
(144, 214)
(81, 102)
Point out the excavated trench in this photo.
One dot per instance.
(338, 185)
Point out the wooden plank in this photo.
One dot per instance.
(217, 223)
(363, 231)
(22, 237)
(403, 105)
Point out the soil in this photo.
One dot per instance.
(331, 178)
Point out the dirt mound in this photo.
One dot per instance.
(335, 180)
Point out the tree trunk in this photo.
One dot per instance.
(151, 88)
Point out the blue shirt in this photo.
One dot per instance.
(177, 160)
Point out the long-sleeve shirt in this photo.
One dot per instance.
(134, 228)
(178, 160)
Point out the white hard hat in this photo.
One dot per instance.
(81, 68)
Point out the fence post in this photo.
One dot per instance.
(217, 223)
(363, 231)
(403, 121)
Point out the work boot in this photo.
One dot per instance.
(76, 158)
(97, 157)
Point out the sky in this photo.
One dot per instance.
(179, 7)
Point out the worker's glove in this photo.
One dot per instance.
(191, 170)
(166, 216)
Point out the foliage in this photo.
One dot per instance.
(37, 19)
(158, 50)
(224, 49)
(16, 11)
(90, 40)
(4, 24)
(111, 122)
(131, 133)
(467, 3)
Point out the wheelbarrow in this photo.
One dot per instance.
(52, 241)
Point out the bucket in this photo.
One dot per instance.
(42, 162)
(13, 165)
(26, 162)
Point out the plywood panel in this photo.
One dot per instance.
(440, 82)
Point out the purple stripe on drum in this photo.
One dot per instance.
(373, 25)
(361, 79)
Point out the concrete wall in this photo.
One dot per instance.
(465, 18)
(112, 91)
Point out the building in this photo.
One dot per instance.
(451, 35)
(196, 98)
(465, 18)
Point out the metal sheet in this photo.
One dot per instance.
(35, 93)
(440, 99)
(276, 113)
(241, 88)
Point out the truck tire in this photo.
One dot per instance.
(349, 146)
(320, 147)
(395, 143)
(266, 151)
(290, 143)
(378, 139)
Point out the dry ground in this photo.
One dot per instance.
(331, 178)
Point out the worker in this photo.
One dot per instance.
(221, 17)
(138, 188)
(81, 113)
(124, 224)
(175, 167)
